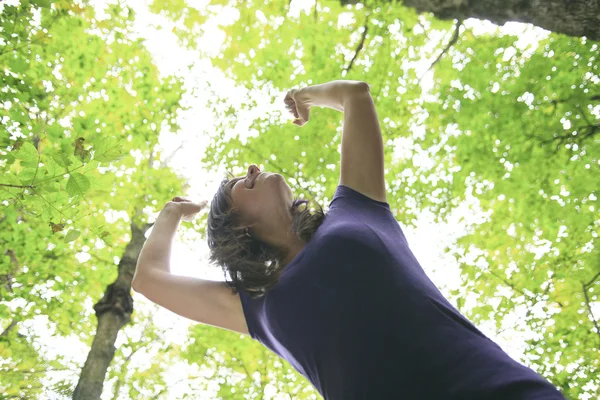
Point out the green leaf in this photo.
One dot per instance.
(19, 65)
(108, 149)
(10, 179)
(41, 3)
(26, 175)
(50, 186)
(10, 159)
(27, 152)
(62, 159)
(72, 235)
(52, 167)
(77, 184)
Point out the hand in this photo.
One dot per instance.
(298, 106)
(184, 208)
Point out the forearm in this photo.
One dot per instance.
(331, 94)
(156, 253)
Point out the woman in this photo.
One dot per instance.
(341, 297)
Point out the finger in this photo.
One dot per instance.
(303, 113)
(291, 107)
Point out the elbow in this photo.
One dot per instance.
(361, 87)
(356, 90)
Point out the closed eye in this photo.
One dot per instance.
(236, 180)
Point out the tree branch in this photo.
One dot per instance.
(35, 371)
(361, 43)
(6, 331)
(6, 278)
(584, 132)
(451, 43)
(585, 287)
(167, 160)
(587, 303)
(35, 41)
(13, 31)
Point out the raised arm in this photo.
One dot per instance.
(362, 167)
(204, 301)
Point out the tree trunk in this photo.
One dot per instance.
(571, 17)
(113, 311)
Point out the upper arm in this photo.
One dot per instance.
(362, 167)
(205, 301)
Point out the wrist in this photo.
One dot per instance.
(305, 96)
(170, 211)
(321, 95)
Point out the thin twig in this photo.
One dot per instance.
(591, 282)
(361, 43)
(509, 284)
(17, 186)
(451, 43)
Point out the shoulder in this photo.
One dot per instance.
(349, 238)
(347, 195)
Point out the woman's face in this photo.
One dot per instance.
(261, 198)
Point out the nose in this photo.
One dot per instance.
(252, 169)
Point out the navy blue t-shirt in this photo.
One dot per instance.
(355, 313)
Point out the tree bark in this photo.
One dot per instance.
(571, 17)
(113, 311)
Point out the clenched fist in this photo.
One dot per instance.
(298, 106)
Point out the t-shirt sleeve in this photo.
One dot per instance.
(348, 196)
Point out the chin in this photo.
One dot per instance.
(281, 183)
(273, 177)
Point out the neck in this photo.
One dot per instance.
(294, 247)
(288, 243)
